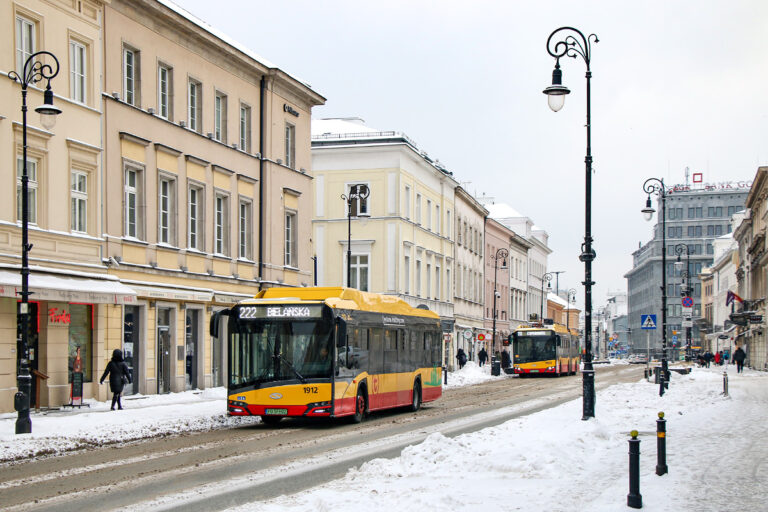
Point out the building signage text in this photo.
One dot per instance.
(290, 110)
(59, 316)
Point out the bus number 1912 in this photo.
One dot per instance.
(310, 389)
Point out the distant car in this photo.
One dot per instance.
(638, 359)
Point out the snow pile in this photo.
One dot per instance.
(553, 460)
(143, 417)
(471, 374)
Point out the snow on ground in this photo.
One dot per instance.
(552, 460)
(143, 416)
(471, 374)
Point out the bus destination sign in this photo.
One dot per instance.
(277, 312)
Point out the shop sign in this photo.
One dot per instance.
(77, 388)
(59, 316)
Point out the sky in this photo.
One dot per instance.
(674, 85)
(581, 466)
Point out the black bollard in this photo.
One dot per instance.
(634, 498)
(661, 445)
(445, 375)
(725, 384)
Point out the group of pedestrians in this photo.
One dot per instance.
(482, 357)
(721, 357)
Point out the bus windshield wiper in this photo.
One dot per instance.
(293, 368)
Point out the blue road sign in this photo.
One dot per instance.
(674, 338)
(647, 321)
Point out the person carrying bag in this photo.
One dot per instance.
(119, 376)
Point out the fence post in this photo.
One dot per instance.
(661, 445)
(634, 498)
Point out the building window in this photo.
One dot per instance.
(290, 145)
(221, 228)
(418, 278)
(77, 71)
(448, 224)
(196, 218)
(245, 128)
(131, 76)
(220, 117)
(166, 211)
(290, 239)
(164, 88)
(407, 203)
(194, 103)
(32, 184)
(79, 198)
(418, 208)
(244, 230)
(429, 215)
(407, 274)
(438, 291)
(26, 42)
(359, 205)
(80, 336)
(437, 219)
(359, 271)
(134, 223)
(448, 295)
(429, 281)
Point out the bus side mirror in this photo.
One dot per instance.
(341, 332)
(215, 325)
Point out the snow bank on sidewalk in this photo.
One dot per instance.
(554, 461)
(471, 374)
(143, 416)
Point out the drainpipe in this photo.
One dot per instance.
(262, 116)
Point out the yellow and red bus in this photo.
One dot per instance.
(545, 349)
(328, 352)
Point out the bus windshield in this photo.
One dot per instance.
(534, 346)
(279, 348)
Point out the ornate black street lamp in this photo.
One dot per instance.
(34, 71)
(573, 44)
(687, 289)
(656, 186)
(571, 294)
(500, 253)
(546, 277)
(359, 193)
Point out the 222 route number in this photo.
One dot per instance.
(310, 389)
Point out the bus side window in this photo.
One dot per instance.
(559, 341)
(390, 350)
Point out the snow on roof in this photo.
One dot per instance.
(340, 125)
(553, 297)
(502, 211)
(225, 38)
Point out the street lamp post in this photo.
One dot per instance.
(571, 294)
(33, 72)
(546, 277)
(356, 192)
(686, 291)
(557, 273)
(500, 253)
(656, 186)
(576, 44)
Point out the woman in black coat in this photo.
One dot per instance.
(119, 374)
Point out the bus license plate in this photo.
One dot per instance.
(275, 411)
(534, 371)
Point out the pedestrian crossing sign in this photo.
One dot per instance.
(647, 321)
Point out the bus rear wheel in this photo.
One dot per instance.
(416, 399)
(359, 407)
(271, 420)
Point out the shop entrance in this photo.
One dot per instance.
(131, 346)
(32, 341)
(163, 350)
(192, 344)
(216, 362)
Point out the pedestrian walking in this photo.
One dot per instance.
(119, 375)
(718, 358)
(461, 357)
(506, 362)
(482, 356)
(708, 357)
(738, 357)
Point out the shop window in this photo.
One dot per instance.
(80, 335)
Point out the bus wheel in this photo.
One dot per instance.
(416, 402)
(271, 420)
(359, 407)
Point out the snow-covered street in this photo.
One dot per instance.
(548, 460)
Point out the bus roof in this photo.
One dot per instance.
(558, 328)
(341, 298)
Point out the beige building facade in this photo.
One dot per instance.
(175, 182)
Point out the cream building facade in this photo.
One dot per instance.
(469, 276)
(175, 182)
(402, 234)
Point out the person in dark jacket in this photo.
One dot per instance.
(506, 362)
(738, 357)
(461, 357)
(119, 374)
(482, 356)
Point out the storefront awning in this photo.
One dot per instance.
(67, 289)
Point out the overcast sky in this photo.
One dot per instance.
(675, 84)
